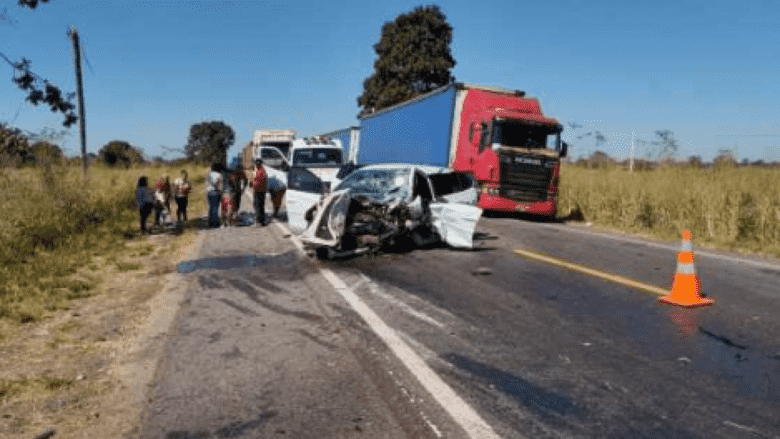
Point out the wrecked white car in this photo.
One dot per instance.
(382, 205)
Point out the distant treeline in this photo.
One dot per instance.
(600, 159)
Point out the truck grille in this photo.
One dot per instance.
(524, 177)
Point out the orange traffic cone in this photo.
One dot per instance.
(685, 286)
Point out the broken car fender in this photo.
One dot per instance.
(327, 226)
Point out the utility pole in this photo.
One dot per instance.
(631, 162)
(74, 36)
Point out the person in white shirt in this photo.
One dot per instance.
(214, 185)
(181, 193)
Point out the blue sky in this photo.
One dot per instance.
(704, 69)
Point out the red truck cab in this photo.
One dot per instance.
(510, 148)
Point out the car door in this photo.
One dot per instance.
(455, 222)
(304, 190)
(455, 187)
(454, 212)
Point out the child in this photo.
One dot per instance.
(227, 201)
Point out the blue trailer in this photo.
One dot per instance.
(417, 131)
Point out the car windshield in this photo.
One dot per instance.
(379, 184)
(317, 156)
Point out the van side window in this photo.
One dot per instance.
(484, 140)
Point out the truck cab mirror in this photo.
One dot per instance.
(564, 148)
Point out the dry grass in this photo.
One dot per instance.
(728, 207)
(56, 223)
(74, 283)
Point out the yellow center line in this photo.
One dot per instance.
(607, 276)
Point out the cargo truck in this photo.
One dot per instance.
(499, 136)
(272, 146)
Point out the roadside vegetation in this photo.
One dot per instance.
(74, 280)
(725, 205)
(58, 230)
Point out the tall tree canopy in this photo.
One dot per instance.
(120, 153)
(413, 57)
(209, 142)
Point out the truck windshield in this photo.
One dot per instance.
(317, 156)
(514, 133)
(284, 147)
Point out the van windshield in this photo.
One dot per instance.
(317, 156)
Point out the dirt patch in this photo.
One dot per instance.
(84, 371)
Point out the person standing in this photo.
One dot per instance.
(259, 184)
(143, 198)
(181, 189)
(213, 193)
(163, 187)
(238, 184)
(276, 188)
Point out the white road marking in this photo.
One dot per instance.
(423, 302)
(460, 412)
(697, 251)
(377, 291)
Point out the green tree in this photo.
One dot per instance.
(40, 90)
(725, 158)
(14, 146)
(209, 142)
(695, 161)
(120, 153)
(413, 57)
(45, 153)
(600, 159)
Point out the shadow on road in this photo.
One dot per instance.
(519, 389)
(574, 215)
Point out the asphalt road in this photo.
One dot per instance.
(542, 351)
(265, 347)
